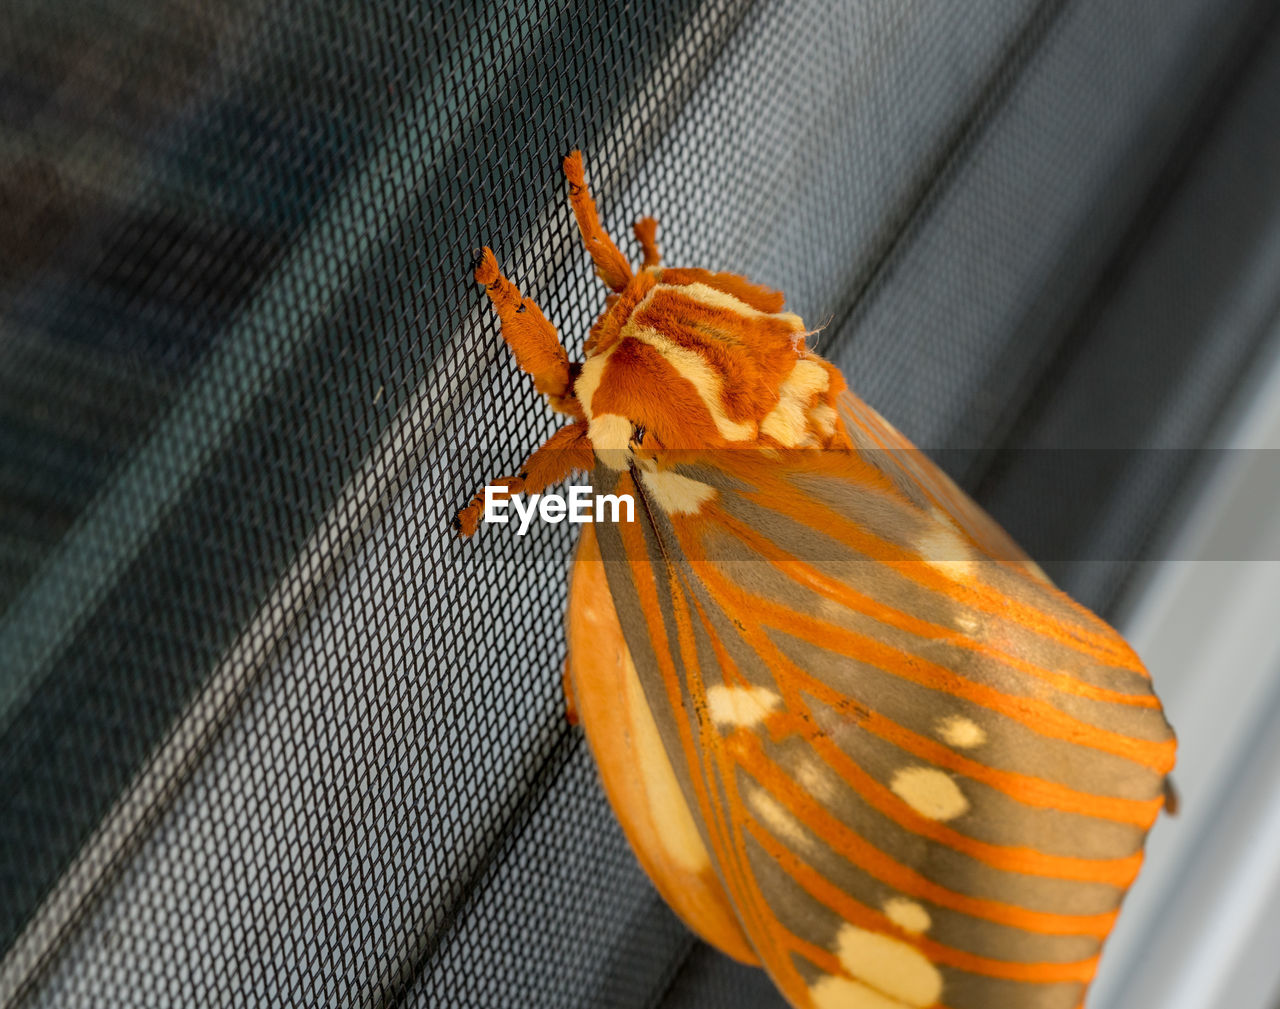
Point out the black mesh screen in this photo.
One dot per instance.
(269, 734)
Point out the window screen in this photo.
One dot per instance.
(269, 733)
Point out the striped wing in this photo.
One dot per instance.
(924, 774)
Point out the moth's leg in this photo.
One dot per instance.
(530, 335)
(565, 452)
(646, 232)
(611, 266)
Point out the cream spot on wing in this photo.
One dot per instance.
(930, 792)
(907, 915)
(962, 733)
(817, 780)
(787, 422)
(676, 494)
(677, 834)
(746, 707)
(699, 373)
(780, 822)
(966, 622)
(892, 967)
(945, 550)
(610, 435)
(840, 993)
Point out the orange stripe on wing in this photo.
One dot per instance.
(725, 841)
(1117, 872)
(916, 466)
(730, 853)
(837, 591)
(1024, 788)
(857, 913)
(852, 846)
(1035, 714)
(786, 500)
(642, 575)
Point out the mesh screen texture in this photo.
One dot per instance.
(269, 734)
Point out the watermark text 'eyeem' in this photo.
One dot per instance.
(579, 506)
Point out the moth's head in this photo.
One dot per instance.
(685, 359)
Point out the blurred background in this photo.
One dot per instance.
(270, 735)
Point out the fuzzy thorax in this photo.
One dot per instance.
(690, 360)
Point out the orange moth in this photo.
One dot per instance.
(852, 732)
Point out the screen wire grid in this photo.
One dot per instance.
(275, 735)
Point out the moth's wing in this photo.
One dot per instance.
(635, 770)
(915, 475)
(924, 776)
